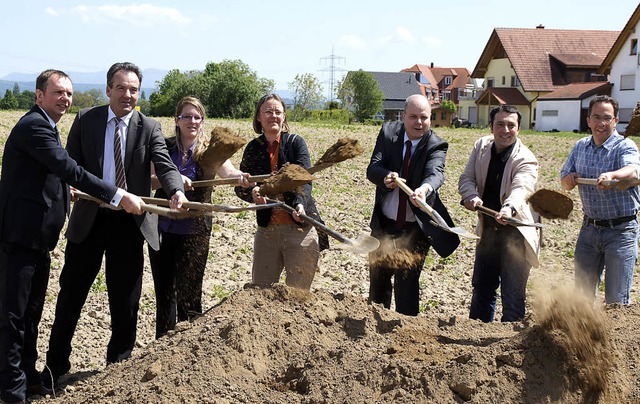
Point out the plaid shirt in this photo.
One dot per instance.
(590, 161)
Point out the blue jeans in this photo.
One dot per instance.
(500, 262)
(614, 248)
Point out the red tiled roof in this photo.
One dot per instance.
(528, 50)
(628, 29)
(578, 91)
(503, 95)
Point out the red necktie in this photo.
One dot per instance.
(121, 180)
(401, 217)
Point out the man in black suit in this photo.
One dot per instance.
(394, 218)
(94, 232)
(34, 201)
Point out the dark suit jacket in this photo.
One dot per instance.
(145, 145)
(427, 165)
(34, 196)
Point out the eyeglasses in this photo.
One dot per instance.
(273, 112)
(604, 119)
(196, 118)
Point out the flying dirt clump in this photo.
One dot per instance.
(289, 177)
(582, 331)
(222, 145)
(393, 254)
(551, 204)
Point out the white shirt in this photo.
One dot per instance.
(109, 165)
(391, 200)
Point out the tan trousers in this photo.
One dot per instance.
(287, 246)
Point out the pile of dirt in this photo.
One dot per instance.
(284, 345)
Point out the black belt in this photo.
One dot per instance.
(608, 222)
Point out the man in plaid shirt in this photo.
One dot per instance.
(609, 234)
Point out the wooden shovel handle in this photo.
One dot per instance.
(594, 181)
(228, 181)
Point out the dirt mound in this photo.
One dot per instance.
(284, 345)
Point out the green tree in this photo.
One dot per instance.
(90, 98)
(16, 89)
(231, 89)
(26, 99)
(9, 101)
(173, 86)
(449, 106)
(360, 94)
(307, 94)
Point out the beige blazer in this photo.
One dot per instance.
(518, 183)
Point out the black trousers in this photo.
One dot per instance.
(406, 286)
(115, 236)
(178, 270)
(24, 276)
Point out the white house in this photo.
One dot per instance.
(622, 63)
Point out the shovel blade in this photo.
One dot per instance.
(364, 244)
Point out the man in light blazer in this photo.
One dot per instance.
(94, 231)
(34, 202)
(413, 231)
(501, 174)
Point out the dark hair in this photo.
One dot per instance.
(127, 67)
(603, 99)
(257, 126)
(43, 78)
(510, 109)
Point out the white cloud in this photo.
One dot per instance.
(144, 14)
(352, 41)
(431, 41)
(402, 35)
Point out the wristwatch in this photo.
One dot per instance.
(513, 210)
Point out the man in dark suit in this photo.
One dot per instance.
(394, 218)
(94, 232)
(34, 201)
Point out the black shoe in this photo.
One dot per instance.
(38, 389)
(49, 381)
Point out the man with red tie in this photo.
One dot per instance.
(408, 149)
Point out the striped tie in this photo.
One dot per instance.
(121, 181)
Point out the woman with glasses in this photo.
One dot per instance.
(178, 267)
(283, 240)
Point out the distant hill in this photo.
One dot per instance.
(82, 81)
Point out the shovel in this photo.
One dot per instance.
(362, 245)
(622, 185)
(510, 220)
(210, 207)
(160, 211)
(437, 221)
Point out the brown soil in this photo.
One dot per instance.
(551, 204)
(392, 253)
(222, 145)
(288, 178)
(330, 345)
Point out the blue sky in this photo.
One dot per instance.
(277, 39)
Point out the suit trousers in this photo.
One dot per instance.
(500, 262)
(116, 236)
(178, 270)
(24, 276)
(406, 286)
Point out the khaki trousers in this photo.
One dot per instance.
(287, 246)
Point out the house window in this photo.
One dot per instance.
(627, 82)
(490, 82)
(433, 116)
(634, 47)
(448, 80)
(550, 112)
(504, 80)
(625, 115)
(514, 81)
(443, 115)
